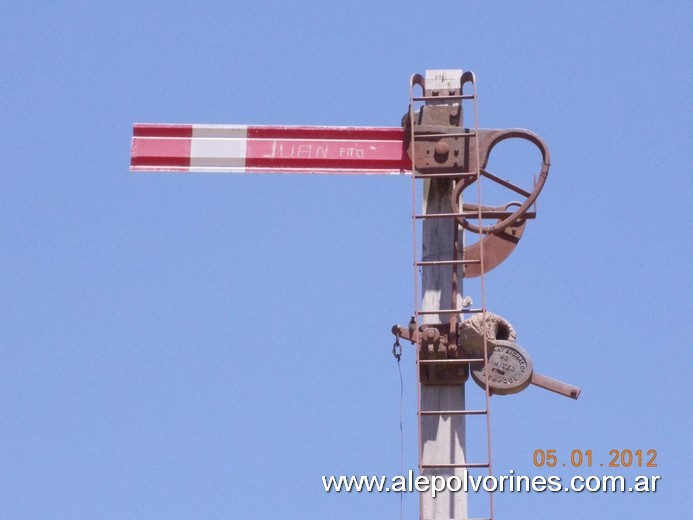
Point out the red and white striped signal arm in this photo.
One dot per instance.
(269, 149)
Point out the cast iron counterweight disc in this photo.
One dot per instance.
(510, 369)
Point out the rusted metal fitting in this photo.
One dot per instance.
(497, 247)
(440, 361)
(434, 138)
(442, 149)
(430, 340)
(508, 370)
(487, 140)
(440, 146)
(440, 154)
(440, 364)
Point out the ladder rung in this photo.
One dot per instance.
(434, 98)
(445, 175)
(460, 361)
(438, 136)
(453, 466)
(451, 311)
(453, 412)
(447, 262)
(475, 214)
(445, 215)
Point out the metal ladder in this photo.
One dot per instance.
(456, 283)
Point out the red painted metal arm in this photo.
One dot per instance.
(269, 149)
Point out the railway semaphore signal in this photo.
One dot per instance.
(461, 238)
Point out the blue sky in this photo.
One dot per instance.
(207, 346)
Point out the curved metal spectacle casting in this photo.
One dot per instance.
(497, 245)
(488, 139)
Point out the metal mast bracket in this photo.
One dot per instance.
(437, 143)
(440, 361)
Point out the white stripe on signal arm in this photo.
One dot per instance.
(218, 146)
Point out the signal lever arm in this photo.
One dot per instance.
(555, 385)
